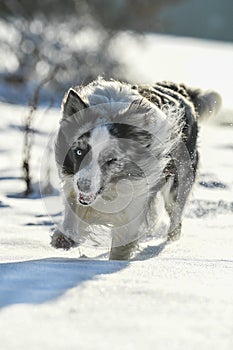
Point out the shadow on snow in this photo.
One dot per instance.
(39, 281)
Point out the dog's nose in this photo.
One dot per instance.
(84, 185)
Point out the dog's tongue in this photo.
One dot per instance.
(86, 199)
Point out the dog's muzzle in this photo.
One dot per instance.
(86, 199)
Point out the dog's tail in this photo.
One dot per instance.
(207, 103)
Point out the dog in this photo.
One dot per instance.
(127, 156)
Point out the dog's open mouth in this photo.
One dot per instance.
(86, 199)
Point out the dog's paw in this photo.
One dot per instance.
(59, 240)
(122, 252)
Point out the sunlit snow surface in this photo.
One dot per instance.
(175, 297)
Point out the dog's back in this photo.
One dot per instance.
(181, 170)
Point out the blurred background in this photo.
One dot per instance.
(49, 45)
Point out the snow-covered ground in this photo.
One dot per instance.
(175, 297)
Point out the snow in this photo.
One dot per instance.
(200, 63)
(178, 296)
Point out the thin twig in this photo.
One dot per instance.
(28, 135)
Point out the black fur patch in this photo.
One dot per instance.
(125, 131)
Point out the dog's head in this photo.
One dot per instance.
(100, 153)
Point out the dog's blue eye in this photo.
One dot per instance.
(79, 152)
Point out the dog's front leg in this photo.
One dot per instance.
(65, 233)
(124, 240)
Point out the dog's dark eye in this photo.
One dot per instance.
(79, 152)
(111, 161)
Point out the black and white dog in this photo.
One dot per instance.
(126, 155)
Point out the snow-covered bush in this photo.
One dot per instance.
(77, 45)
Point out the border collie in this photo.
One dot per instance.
(127, 157)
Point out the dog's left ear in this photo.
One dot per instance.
(72, 103)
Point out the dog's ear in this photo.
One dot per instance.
(72, 103)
